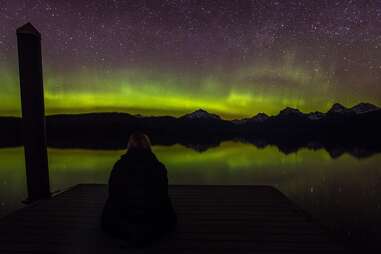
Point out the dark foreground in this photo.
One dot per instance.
(212, 219)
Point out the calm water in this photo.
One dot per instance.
(343, 193)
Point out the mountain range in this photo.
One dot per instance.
(340, 128)
(336, 108)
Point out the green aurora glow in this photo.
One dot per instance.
(232, 59)
(238, 94)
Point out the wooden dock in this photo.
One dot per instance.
(212, 219)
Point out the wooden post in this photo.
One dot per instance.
(33, 112)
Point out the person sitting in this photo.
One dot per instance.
(138, 207)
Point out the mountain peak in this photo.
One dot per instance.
(290, 111)
(337, 108)
(364, 108)
(260, 117)
(201, 114)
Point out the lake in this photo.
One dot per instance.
(344, 193)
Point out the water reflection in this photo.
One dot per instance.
(343, 193)
(12, 179)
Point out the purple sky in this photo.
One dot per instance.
(303, 53)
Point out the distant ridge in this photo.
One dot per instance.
(364, 108)
(201, 114)
(336, 108)
(288, 111)
(354, 129)
(360, 108)
(258, 118)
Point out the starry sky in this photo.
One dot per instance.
(231, 57)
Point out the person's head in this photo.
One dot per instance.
(139, 140)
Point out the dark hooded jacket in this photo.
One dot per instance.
(138, 205)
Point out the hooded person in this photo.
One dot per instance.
(138, 207)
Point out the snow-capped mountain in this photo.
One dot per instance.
(201, 114)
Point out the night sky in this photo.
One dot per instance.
(234, 58)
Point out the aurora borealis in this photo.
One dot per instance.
(231, 57)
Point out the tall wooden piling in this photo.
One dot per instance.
(33, 112)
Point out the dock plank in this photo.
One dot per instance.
(212, 219)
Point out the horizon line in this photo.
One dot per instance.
(139, 111)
